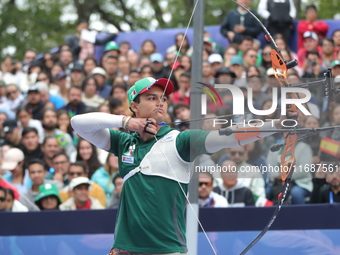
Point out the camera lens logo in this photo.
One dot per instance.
(204, 96)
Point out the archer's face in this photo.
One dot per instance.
(153, 104)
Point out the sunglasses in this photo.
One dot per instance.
(266, 54)
(233, 153)
(2, 199)
(207, 184)
(75, 173)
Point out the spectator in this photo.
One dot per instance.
(320, 28)
(66, 60)
(48, 62)
(239, 23)
(123, 67)
(13, 162)
(252, 180)
(336, 38)
(50, 123)
(182, 116)
(335, 68)
(312, 67)
(124, 47)
(310, 43)
(253, 70)
(12, 135)
(225, 76)
(146, 71)
(143, 61)
(87, 152)
(186, 63)
(237, 67)
(3, 200)
(104, 175)
(327, 190)
(35, 106)
(60, 163)
(148, 47)
(229, 52)
(47, 97)
(37, 173)
(73, 40)
(207, 73)
(134, 76)
(49, 147)
(118, 184)
(3, 88)
(76, 75)
(12, 204)
(104, 89)
(133, 58)
(57, 68)
(48, 197)
(181, 45)
(75, 105)
(236, 194)
(120, 91)
(216, 62)
(111, 48)
(313, 141)
(158, 70)
(116, 106)
(61, 81)
(81, 198)
(183, 93)
(78, 169)
(328, 51)
(47, 78)
(256, 83)
(250, 57)
(11, 74)
(14, 97)
(206, 196)
(111, 68)
(30, 55)
(266, 57)
(30, 144)
(64, 125)
(89, 95)
(300, 192)
(90, 63)
(279, 16)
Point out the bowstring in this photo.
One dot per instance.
(172, 69)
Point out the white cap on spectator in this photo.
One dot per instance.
(11, 159)
(337, 79)
(41, 86)
(310, 34)
(99, 70)
(78, 181)
(270, 71)
(215, 58)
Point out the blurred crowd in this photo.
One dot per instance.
(45, 165)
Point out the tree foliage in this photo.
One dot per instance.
(36, 24)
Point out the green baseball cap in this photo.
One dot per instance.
(47, 189)
(145, 84)
(111, 46)
(335, 63)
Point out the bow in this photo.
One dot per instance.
(288, 160)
